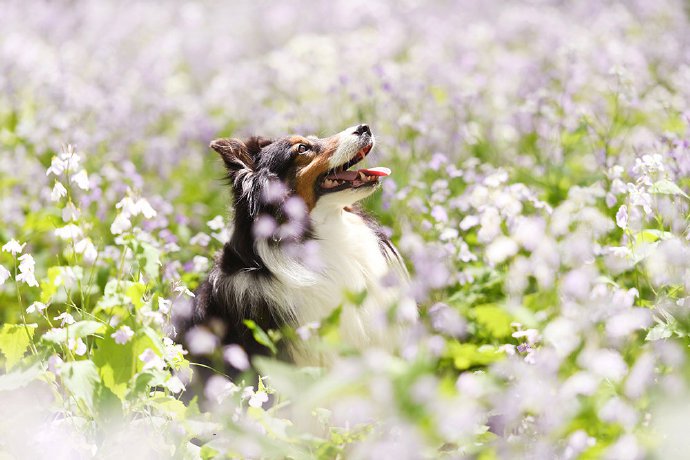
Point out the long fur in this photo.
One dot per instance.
(259, 279)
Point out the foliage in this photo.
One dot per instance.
(540, 196)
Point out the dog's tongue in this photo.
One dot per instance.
(377, 171)
(352, 175)
(345, 175)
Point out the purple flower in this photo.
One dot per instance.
(236, 357)
(123, 335)
(264, 227)
(622, 217)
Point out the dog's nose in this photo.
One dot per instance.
(362, 129)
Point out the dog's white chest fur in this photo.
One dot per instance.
(352, 261)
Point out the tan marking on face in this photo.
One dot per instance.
(294, 140)
(313, 165)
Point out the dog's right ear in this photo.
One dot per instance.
(234, 154)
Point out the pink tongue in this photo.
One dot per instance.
(377, 171)
(352, 175)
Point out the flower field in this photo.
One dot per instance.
(540, 196)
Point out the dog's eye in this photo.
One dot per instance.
(302, 148)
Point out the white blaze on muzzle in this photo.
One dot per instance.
(349, 144)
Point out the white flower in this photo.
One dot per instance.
(222, 235)
(65, 318)
(172, 351)
(201, 341)
(622, 217)
(258, 398)
(122, 335)
(174, 384)
(28, 278)
(59, 191)
(70, 212)
(216, 223)
(127, 206)
(247, 392)
(155, 316)
(81, 179)
(236, 356)
(36, 307)
(120, 224)
(77, 346)
(164, 305)
(69, 157)
(501, 249)
(130, 208)
(305, 330)
(26, 262)
(4, 274)
(200, 263)
(26, 270)
(508, 349)
(144, 207)
(57, 167)
(490, 225)
(531, 335)
(68, 232)
(87, 248)
(151, 360)
(218, 388)
(54, 364)
(13, 247)
(182, 289)
(202, 239)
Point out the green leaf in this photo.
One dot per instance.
(658, 332)
(80, 329)
(20, 378)
(207, 452)
(651, 235)
(467, 355)
(149, 260)
(135, 292)
(81, 379)
(48, 286)
(494, 320)
(169, 406)
(142, 383)
(666, 187)
(116, 364)
(14, 341)
(290, 381)
(260, 335)
(356, 298)
(154, 341)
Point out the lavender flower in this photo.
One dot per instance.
(123, 335)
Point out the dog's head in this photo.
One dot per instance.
(317, 170)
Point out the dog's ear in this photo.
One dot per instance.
(234, 153)
(255, 144)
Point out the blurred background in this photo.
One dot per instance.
(540, 174)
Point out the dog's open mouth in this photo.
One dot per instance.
(341, 178)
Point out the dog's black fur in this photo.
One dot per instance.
(252, 166)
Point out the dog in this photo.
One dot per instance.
(301, 248)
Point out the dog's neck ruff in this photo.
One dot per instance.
(353, 258)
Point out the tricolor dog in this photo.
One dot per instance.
(299, 243)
